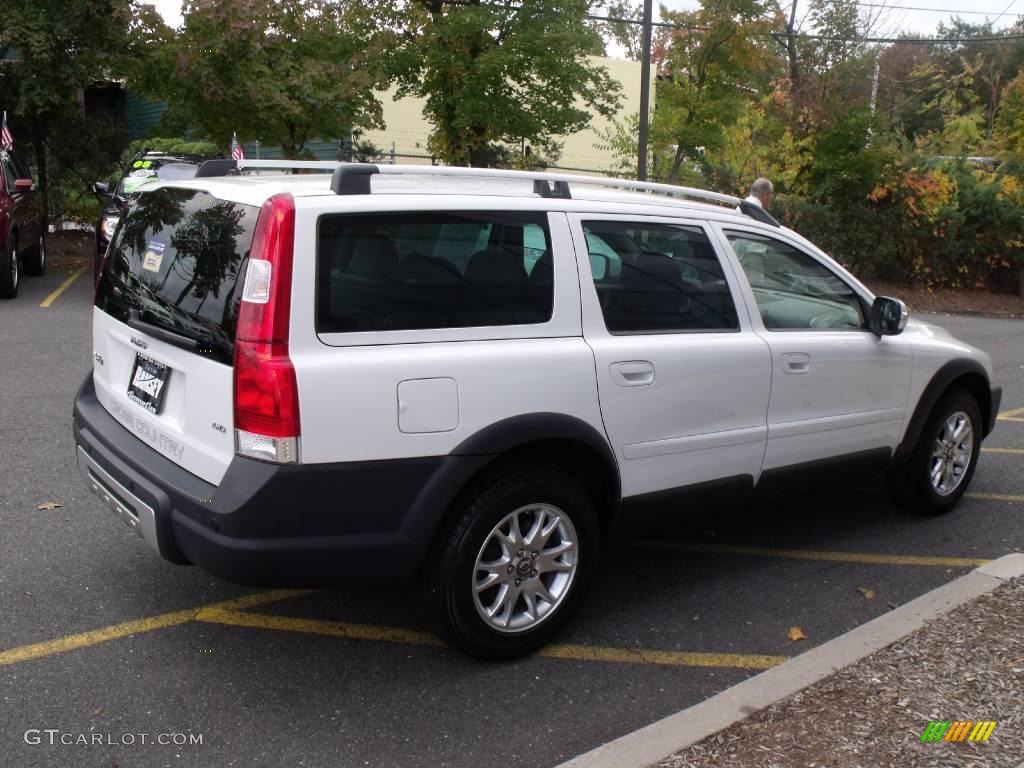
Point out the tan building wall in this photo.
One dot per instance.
(407, 129)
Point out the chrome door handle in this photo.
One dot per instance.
(632, 373)
(796, 362)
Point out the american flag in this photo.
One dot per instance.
(6, 137)
(237, 153)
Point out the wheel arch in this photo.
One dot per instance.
(962, 374)
(550, 438)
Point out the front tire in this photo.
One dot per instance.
(513, 563)
(10, 275)
(945, 458)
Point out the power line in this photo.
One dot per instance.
(777, 35)
(1004, 11)
(950, 11)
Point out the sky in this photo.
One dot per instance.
(898, 16)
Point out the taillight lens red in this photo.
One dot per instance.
(266, 394)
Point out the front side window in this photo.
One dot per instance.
(793, 290)
(417, 271)
(658, 278)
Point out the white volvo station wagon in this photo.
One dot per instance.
(471, 379)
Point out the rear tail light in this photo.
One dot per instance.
(266, 393)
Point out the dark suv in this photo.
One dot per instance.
(21, 236)
(144, 168)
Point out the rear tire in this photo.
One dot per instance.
(944, 460)
(35, 261)
(10, 273)
(511, 566)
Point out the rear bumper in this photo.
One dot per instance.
(267, 524)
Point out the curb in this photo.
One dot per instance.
(655, 742)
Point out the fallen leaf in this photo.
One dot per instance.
(98, 712)
(868, 593)
(48, 505)
(795, 633)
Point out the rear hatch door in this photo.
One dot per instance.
(164, 324)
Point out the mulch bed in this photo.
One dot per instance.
(966, 666)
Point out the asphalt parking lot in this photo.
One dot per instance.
(98, 637)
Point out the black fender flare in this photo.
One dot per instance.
(480, 449)
(939, 383)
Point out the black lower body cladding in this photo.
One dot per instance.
(282, 525)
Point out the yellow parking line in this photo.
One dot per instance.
(104, 634)
(419, 637)
(665, 658)
(867, 558)
(63, 286)
(1003, 450)
(318, 627)
(1017, 414)
(1011, 497)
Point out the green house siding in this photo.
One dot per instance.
(323, 150)
(141, 115)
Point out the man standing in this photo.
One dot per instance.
(761, 193)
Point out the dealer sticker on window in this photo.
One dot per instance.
(154, 256)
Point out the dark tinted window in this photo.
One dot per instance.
(406, 271)
(658, 277)
(174, 262)
(10, 174)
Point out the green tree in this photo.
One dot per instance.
(283, 71)
(495, 75)
(56, 49)
(715, 63)
(627, 33)
(1009, 132)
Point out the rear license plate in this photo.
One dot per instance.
(148, 383)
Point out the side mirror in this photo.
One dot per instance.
(888, 316)
(101, 188)
(24, 185)
(598, 266)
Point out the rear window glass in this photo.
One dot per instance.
(144, 172)
(409, 271)
(174, 263)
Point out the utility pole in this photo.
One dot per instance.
(645, 91)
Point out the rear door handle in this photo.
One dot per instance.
(796, 362)
(632, 373)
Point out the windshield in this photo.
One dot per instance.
(174, 263)
(144, 172)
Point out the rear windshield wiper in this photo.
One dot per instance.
(135, 321)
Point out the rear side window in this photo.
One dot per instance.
(175, 262)
(414, 271)
(658, 278)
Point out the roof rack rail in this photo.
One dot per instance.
(354, 179)
(212, 168)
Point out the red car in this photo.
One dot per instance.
(21, 237)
